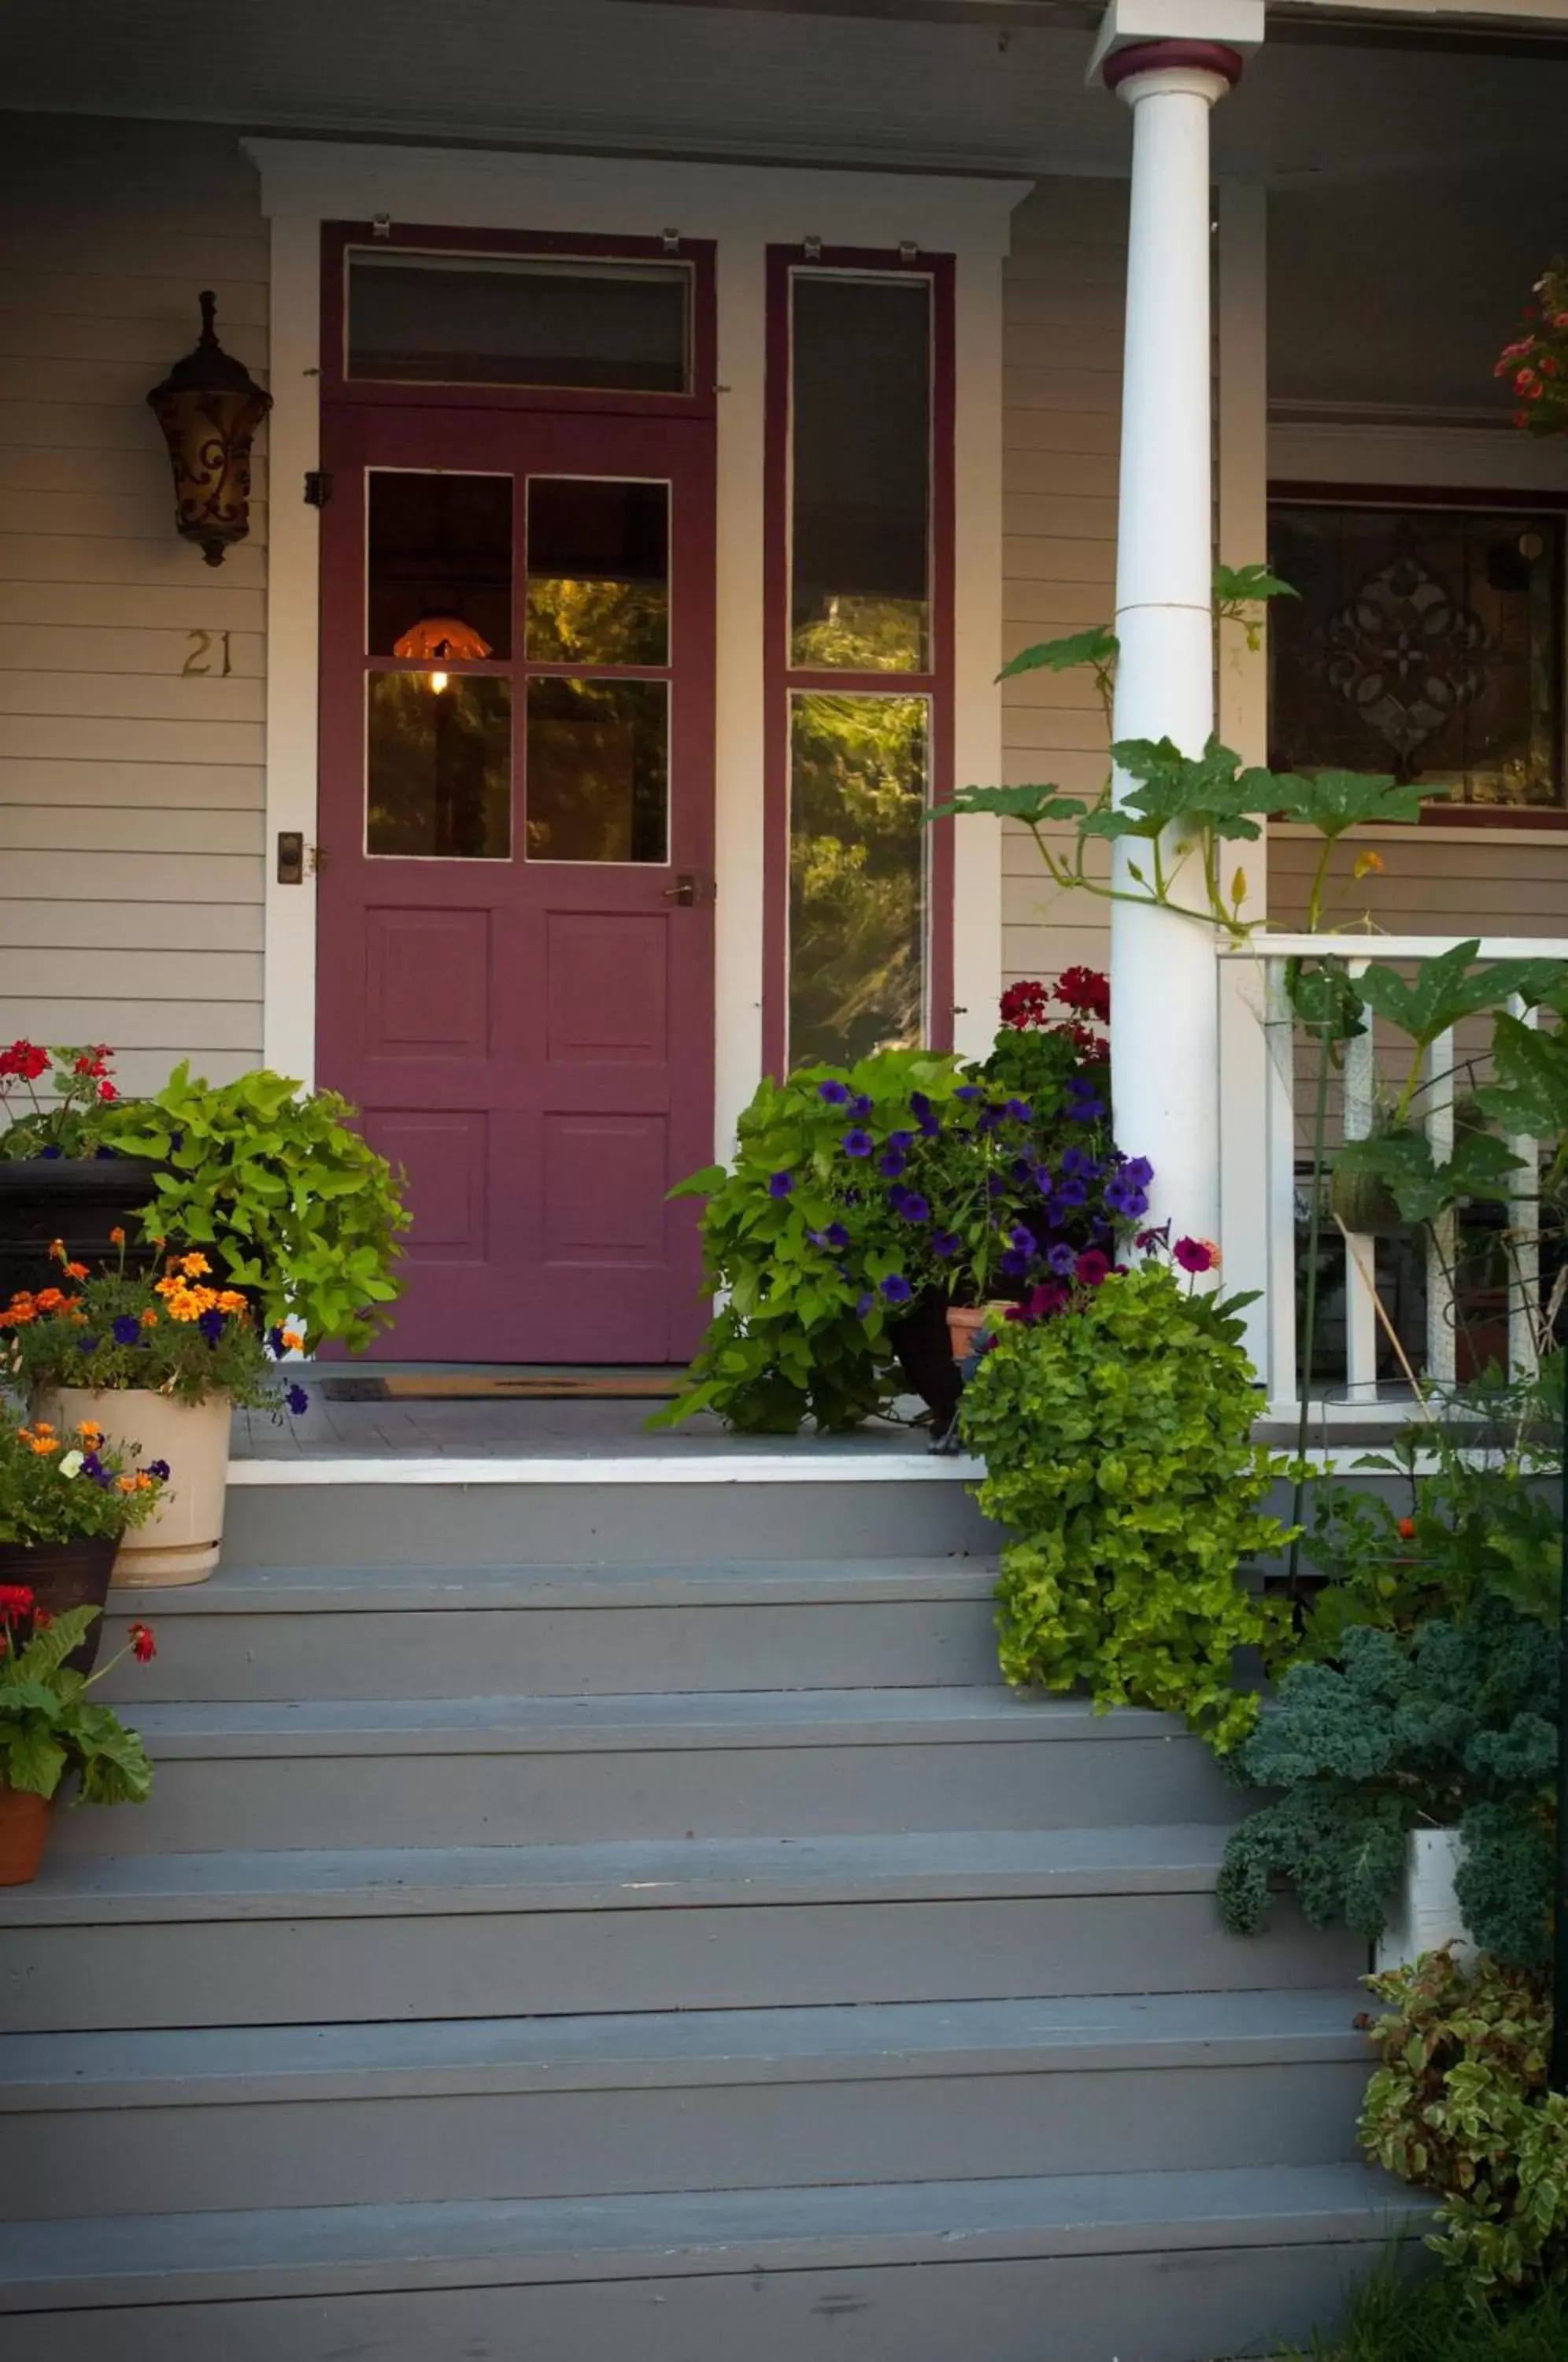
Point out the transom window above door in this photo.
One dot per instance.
(501, 610)
(517, 320)
(1424, 640)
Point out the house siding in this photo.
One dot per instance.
(131, 792)
(1062, 302)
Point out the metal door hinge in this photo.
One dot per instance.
(317, 488)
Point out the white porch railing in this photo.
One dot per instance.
(1265, 1152)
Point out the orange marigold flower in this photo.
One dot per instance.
(194, 1265)
(18, 1316)
(116, 1236)
(57, 1249)
(77, 1271)
(150, 1318)
(49, 1300)
(169, 1287)
(230, 1299)
(293, 1341)
(125, 1483)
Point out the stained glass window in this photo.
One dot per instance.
(1423, 641)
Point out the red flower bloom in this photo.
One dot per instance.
(1406, 1529)
(1025, 1005)
(106, 1091)
(26, 1059)
(16, 1599)
(144, 1648)
(1093, 1268)
(1196, 1254)
(1085, 990)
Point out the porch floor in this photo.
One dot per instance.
(500, 1430)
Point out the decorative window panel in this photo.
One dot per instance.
(1426, 642)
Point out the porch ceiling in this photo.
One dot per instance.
(887, 89)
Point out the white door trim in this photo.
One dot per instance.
(745, 208)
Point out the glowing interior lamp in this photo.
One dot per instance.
(435, 638)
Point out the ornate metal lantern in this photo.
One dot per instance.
(209, 407)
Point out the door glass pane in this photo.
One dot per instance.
(598, 776)
(857, 769)
(503, 319)
(438, 776)
(598, 572)
(1425, 641)
(860, 465)
(439, 563)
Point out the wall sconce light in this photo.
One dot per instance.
(209, 407)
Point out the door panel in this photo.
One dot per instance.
(516, 784)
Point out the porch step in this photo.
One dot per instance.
(415, 1773)
(800, 1497)
(522, 2108)
(294, 1937)
(942, 2269)
(424, 1631)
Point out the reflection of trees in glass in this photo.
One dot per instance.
(438, 777)
(597, 621)
(856, 874)
(862, 635)
(598, 770)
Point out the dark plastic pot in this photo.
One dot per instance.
(62, 1575)
(924, 1354)
(77, 1199)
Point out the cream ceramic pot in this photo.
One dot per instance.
(181, 1541)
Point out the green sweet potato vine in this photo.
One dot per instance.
(1119, 1450)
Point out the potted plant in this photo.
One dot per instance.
(164, 1361)
(277, 1189)
(61, 1175)
(50, 1729)
(66, 1503)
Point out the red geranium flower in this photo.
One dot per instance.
(26, 1059)
(16, 1599)
(1085, 990)
(1025, 1005)
(144, 1648)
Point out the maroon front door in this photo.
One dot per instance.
(515, 965)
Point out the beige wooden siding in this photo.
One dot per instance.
(130, 792)
(1474, 882)
(1062, 361)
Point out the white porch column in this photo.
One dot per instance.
(1165, 1054)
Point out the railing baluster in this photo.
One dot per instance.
(1361, 1310)
(1285, 1382)
(1524, 1243)
(1442, 1234)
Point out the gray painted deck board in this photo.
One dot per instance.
(199, 2067)
(132, 2259)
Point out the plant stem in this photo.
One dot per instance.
(1309, 1323)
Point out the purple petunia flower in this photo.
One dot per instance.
(128, 1328)
(275, 1344)
(1021, 1111)
(52, 1152)
(925, 1114)
(1085, 1111)
(896, 1288)
(1123, 1196)
(1015, 1263)
(902, 1141)
(895, 1196)
(861, 1105)
(780, 1185)
(1044, 1178)
(1062, 1259)
(1072, 1193)
(1077, 1166)
(1023, 1237)
(93, 1469)
(1139, 1171)
(297, 1400)
(945, 1243)
(159, 1469)
(858, 1142)
(995, 1186)
(864, 1307)
(892, 1162)
(835, 1094)
(836, 1236)
(913, 1207)
(210, 1323)
(968, 1091)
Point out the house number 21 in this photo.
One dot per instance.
(200, 657)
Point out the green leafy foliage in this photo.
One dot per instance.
(300, 1207)
(1530, 1093)
(1098, 647)
(174, 1335)
(1119, 1451)
(1322, 992)
(1459, 2105)
(1034, 806)
(1451, 986)
(1479, 1167)
(49, 1727)
(1333, 801)
(1401, 2313)
(65, 1488)
(1237, 586)
(1454, 1723)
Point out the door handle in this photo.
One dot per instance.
(686, 891)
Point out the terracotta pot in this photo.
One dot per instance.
(965, 1322)
(24, 1832)
(181, 1541)
(62, 1575)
